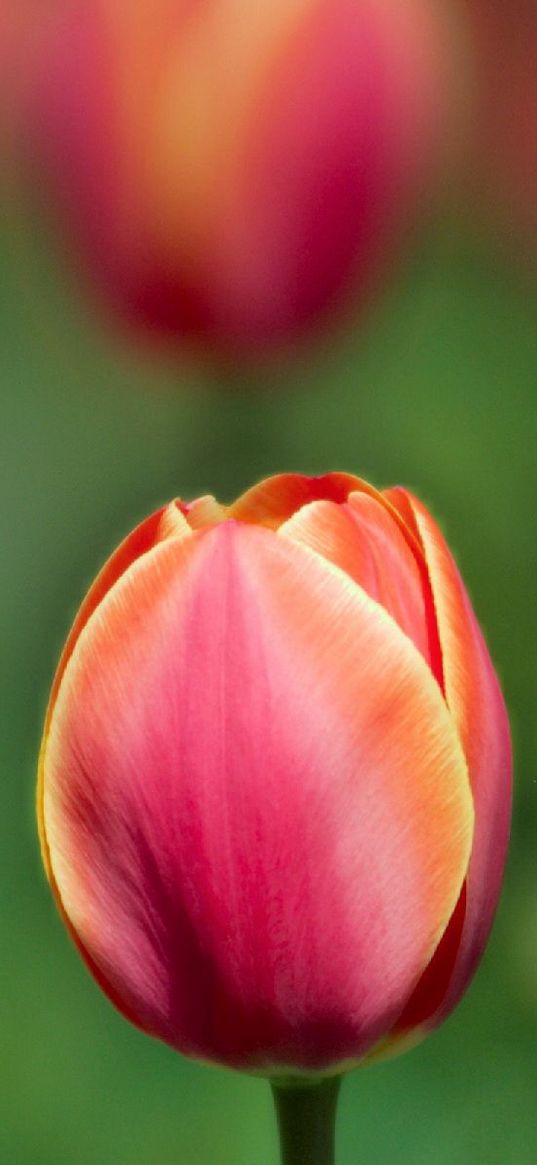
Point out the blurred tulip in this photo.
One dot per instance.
(235, 172)
(274, 785)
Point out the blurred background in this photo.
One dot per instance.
(432, 385)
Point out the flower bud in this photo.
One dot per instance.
(236, 172)
(274, 786)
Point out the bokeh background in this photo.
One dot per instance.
(436, 389)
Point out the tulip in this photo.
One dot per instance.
(274, 786)
(235, 173)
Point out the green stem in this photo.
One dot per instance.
(307, 1120)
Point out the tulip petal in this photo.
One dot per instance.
(476, 704)
(163, 523)
(257, 848)
(205, 511)
(272, 501)
(362, 538)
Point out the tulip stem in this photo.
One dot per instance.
(307, 1121)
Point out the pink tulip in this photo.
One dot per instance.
(234, 172)
(274, 784)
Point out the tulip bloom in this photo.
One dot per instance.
(233, 172)
(274, 784)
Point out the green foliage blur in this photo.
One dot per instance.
(437, 389)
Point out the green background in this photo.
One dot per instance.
(436, 389)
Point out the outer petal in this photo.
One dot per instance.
(477, 707)
(260, 822)
(164, 523)
(362, 538)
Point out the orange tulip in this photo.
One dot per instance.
(274, 785)
(235, 172)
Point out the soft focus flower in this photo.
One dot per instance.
(232, 171)
(275, 779)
